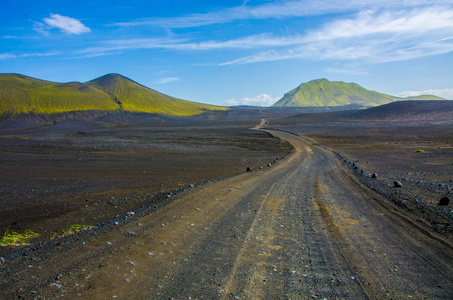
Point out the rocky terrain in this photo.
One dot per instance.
(314, 206)
(408, 142)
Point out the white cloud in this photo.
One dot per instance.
(280, 9)
(66, 24)
(370, 37)
(413, 22)
(381, 31)
(444, 93)
(259, 100)
(168, 79)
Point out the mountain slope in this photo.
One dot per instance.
(21, 94)
(133, 97)
(322, 92)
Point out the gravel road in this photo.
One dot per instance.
(303, 228)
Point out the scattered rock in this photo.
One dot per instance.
(444, 201)
(374, 175)
(397, 184)
(269, 165)
(130, 214)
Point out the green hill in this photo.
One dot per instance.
(322, 92)
(21, 94)
(422, 97)
(133, 97)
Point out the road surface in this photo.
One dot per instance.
(302, 228)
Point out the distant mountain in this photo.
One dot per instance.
(21, 94)
(322, 92)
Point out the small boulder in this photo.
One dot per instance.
(397, 184)
(249, 169)
(444, 201)
(374, 175)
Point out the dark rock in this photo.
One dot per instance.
(374, 175)
(397, 184)
(444, 201)
(249, 169)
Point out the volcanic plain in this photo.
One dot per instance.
(177, 216)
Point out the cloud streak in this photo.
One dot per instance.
(372, 37)
(24, 55)
(278, 10)
(168, 80)
(368, 36)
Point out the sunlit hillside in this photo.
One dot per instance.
(322, 92)
(21, 94)
(134, 97)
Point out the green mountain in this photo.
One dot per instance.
(422, 97)
(322, 92)
(21, 94)
(133, 97)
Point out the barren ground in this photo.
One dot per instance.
(308, 226)
(52, 177)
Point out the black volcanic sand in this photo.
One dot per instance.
(399, 144)
(53, 176)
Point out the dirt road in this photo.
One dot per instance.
(301, 228)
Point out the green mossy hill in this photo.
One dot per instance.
(133, 97)
(21, 94)
(322, 92)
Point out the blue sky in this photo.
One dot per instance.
(234, 52)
